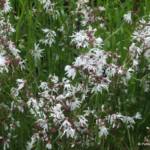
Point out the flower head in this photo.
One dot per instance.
(128, 17)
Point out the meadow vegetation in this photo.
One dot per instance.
(75, 74)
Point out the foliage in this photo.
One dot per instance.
(74, 74)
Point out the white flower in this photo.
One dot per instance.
(129, 121)
(80, 39)
(100, 87)
(37, 53)
(49, 37)
(103, 131)
(129, 73)
(111, 70)
(47, 5)
(82, 121)
(80, 61)
(7, 6)
(6, 145)
(135, 62)
(101, 8)
(68, 130)
(49, 146)
(60, 98)
(30, 144)
(147, 55)
(20, 83)
(2, 60)
(42, 124)
(13, 49)
(147, 41)
(71, 72)
(128, 17)
(14, 92)
(112, 120)
(54, 79)
(73, 105)
(57, 113)
(138, 116)
(32, 102)
(98, 42)
(146, 85)
(44, 86)
(22, 64)
(81, 3)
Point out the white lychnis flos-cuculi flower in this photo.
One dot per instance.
(44, 86)
(71, 72)
(30, 144)
(140, 43)
(80, 39)
(20, 83)
(128, 17)
(37, 53)
(127, 120)
(49, 37)
(101, 8)
(3, 63)
(7, 7)
(103, 131)
(86, 38)
(15, 52)
(49, 146)
(81, 3)
(57, 113)
(147, 55)
(47, 5)
(67, 129)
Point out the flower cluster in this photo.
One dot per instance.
(88, 14)
(61, 108)
(140, 45)
(47, 5)
(86, 39)
(5, 5)
(56, 113)
(9, 54)
(94, 68)
(49, 8)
